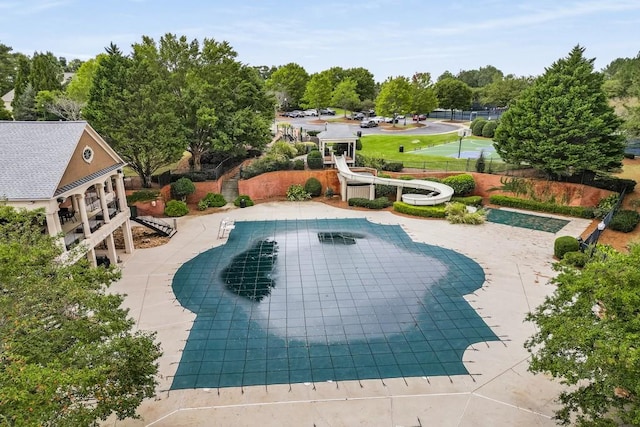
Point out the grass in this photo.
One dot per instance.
(387, 147)
(128, 171)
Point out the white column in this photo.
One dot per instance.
(54, 228)
(83, 216)
(111, 248)
(74, 203)
(399, 193)
(110, 185)
(122, 196)
(103, 202)
(128, 236)
(343, 189)
(91, 256)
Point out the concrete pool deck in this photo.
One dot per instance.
(498, 392)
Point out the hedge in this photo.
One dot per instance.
(462, 184)
(423, 211)
(142, 196)
(176, 208)
(313, 187)
(315, 160)
(532, 205)
(625, 221)
(379, 203)
(469, 200)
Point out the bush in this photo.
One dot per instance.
(422, 211)
(469, 200)
(605, 205)
(329, 193)
(358, 144)
(202, 205)
(313, 187)
(576, 259)
(297, 193)
(392, 166)
(315, 160)
(457, 213)
(182, 188)
(462, 184)
(298, 165)
(285, 149)
(564, 244)
(379, 203)
(301, 148)
(247, 200)
(142, 196)
(214, 200)
(625, 221)
(268, 163)
(478, 126)
(629, 156)
(489, 129)
(176, 208)
(532, 205)
(383, 190)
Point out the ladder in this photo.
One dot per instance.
(226, 225)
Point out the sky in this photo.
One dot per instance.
(388, 37)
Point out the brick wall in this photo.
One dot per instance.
(275, 184)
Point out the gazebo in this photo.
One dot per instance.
(338, 140)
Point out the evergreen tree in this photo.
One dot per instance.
(46, 72)
(24, 107)
(562, 124)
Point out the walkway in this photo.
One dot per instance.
(499, 391)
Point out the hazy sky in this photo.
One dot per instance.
(388, 37)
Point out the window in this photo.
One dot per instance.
(87, 154)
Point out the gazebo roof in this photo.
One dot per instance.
(337, 132)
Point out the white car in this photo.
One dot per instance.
(377, 119)
(311, 112)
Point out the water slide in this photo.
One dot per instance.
(439, 193)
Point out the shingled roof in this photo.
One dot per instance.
(34, 157)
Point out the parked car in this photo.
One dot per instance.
(368, 123)
(312, 112)
(356, 116)
(327, 112)
(419, 117)
(377, 119)
(294, 114)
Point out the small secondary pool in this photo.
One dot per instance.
(522, 220)
(329, 299)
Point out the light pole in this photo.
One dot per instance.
(462, 133)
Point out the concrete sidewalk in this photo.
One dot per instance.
(498, 392)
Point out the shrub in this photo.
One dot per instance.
(625, 221)
(457, 213)
(422, 211)
(268, 163)
(358, 144)
(297, 193)
(298, 165)
(605, 205)
(247, 200)
(477, 126)
(301, 148)
(313, 187)
(489, 129)
(176, 208)
(314, 160)
(182, 188)
(214, 200)
(383, 190)
(379, 203)
(532, 205)
(469, 200)
(576, 259)
(462, 184)
(564, 244)
(392, 166)
(629, 156)
(282, 148)
(202, 205)
(480, 163)
(142, 196)
(432, 179)
(329, 193)
(313, 132)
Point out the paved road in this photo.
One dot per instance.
(432, 128)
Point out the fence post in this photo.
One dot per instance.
(467, 167)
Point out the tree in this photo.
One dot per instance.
(446, 75)
(46, 72)
(423, 98)
(80, 85)
(24, 107)
(632, 121)
(7, 69)
(394, 97)
(63, 107)
(504, 92)
(69, 355)
(318, 92)
(130, 104)
(365, 83)
(588, 338)
(345, 96)
(453, 94)
(291, 80)
(480, 77)
(4, 113)
(562, 124)
(22, 78)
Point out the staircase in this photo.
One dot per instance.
(230, 188)
(156, 224)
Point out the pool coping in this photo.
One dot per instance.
(498, 391)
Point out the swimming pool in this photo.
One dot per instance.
(298, 301)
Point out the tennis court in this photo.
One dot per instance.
(470, 149)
